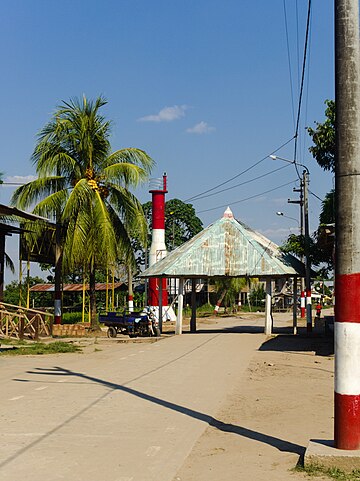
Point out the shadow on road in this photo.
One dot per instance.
(240, 329)
(280, 444)
(320, 344)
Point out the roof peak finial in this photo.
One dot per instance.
(228, 213)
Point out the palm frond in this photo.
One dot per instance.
(29, 194)
(132, 156)
(9, 264)
(52, 205)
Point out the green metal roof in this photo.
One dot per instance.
(227, 248)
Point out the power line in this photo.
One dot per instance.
(248, 198)
(302, 82)
(240, 173)
(289, 62)
(243, 183)
(317, 197)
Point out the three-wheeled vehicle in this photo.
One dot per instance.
(134, 324)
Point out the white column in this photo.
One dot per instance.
(268, 320)
(295, 305)
(178, 327)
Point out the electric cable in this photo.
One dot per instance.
(243, 183)
(289, 62)
(248, 198)
(317, 197)
(302, 83)
(240, 173)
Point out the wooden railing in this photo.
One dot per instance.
(19, 323)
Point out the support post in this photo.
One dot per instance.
(57, 293)
(347, 225)
(295, 281)
(179, 317)
(160, 304)
(193, 306)
(307, 253)
(268, 320)
(2, 265)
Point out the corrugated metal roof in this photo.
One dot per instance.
(227, 248)
(99, 286)
(13, 211)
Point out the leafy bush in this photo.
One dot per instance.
(72, 317)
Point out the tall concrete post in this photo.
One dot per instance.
(179, 318)
(268, 319)
(347, 257)
(307, 252)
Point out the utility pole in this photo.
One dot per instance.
(347, 255)
(305, 183)
(301, 203)
(305, 234)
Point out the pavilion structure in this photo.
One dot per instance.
(228, 248)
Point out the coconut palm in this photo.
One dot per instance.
(85, 187)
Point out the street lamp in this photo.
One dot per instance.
(288, 217)
(276, 157)
(304, 205)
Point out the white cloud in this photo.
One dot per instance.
(200, 128)
(167, 114)
(17, 179)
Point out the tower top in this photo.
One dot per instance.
(228, 214)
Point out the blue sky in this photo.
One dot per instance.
(202, 85)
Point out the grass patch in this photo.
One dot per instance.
(315, 470)
(21, 348)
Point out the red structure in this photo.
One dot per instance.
(158, 189)
(302, 304)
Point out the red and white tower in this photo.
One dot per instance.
(158, 189)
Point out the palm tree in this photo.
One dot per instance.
(85, 188)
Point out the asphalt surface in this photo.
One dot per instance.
(118, 412)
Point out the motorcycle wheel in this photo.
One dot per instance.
(111, 332)
(157, 332)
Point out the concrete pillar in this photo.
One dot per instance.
(347, 190)
(179, 317)
(268, 319)
(295, 281)
(193, 306)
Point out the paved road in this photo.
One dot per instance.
(130, 412)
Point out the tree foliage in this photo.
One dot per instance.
(181, 223)
(85, 187)
(323, 137)
(14, 291)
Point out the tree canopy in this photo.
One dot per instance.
(85, 187)
(323, 151)
(323, 137)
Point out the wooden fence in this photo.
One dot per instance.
(20, 323)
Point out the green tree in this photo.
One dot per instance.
(80, 180)
(323, 137)
(323, 151)
(14, 290)
(181, 223)
(228, 289)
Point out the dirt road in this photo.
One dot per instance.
(205, 406)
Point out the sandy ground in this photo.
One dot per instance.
(259, 428)
(263, 427)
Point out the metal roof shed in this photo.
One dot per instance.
(228, 248)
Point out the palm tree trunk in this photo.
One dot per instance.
(92, 293)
